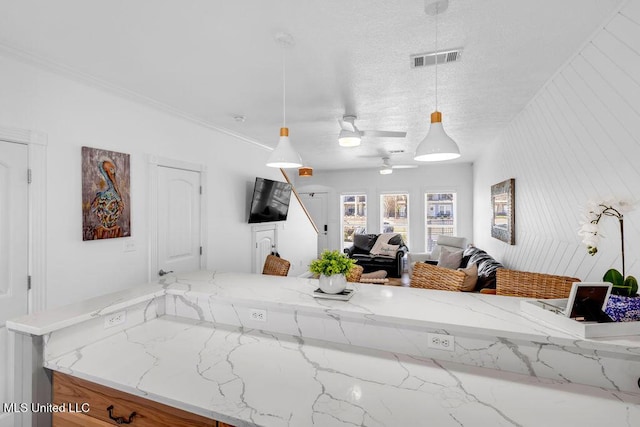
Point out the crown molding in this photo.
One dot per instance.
(90, 80)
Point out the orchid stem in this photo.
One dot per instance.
(622, 243)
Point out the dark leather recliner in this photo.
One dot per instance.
(361, 252)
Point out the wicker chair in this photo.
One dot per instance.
(355, 273)
(532, 285)
(276, 266)
(429, 276)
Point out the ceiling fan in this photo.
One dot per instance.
(350, 135)
(388, 168)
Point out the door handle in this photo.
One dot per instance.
(162, 272)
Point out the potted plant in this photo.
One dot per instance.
(332, 266)
(622, 284)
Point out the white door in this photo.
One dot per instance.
(13, 256)
(264, 243)
(316, 204)
(179, 228)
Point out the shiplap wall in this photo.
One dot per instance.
(578, 139)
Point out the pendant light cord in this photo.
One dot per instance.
(284, 88)
(437, 13)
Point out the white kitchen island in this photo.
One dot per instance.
(193, 343)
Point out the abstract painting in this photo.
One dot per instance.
(106, 194)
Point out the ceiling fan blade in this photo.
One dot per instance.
(404, 166)
(347, 126)
(384, 133)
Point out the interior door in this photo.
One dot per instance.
(265, 243)
(179, 228)
(13, 256)
(316, 204)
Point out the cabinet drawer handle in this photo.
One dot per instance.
(120, 420)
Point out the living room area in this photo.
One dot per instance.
(546, 94)
(355, 204)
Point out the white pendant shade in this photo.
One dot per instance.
(386, 170)
(348, 138)
(437, 145)
(284, 156)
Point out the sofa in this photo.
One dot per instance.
(375, 252)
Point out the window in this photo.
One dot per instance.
(353, 217)
(440, 215)
(394, 213)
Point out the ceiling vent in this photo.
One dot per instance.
(429, 59)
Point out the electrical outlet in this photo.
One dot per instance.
(441, 342)
(115, 319)
(257, 315)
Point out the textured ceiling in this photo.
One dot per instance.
(214, 60)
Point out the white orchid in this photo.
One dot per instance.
(591, 234)
(589, 230)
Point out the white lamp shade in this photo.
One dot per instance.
(386, 170)
(284, 156)
(437, 145)
(348, 138)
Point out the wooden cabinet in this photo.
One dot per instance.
(92, 405)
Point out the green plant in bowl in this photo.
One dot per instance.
(332, 262)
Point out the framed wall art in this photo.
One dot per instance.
(106, 194)
(503, 215)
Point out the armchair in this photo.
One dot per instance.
(450, 242)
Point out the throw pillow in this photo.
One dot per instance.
(449, 259)
(487, 267)
(362, 243)
(382, 239)
(470, 278)
(396, 240)
(385, 250)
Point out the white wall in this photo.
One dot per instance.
(73, 114)
(428, 178)
(578, 139)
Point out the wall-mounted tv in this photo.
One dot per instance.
(270, 201)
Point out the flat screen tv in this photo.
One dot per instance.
(270, 201)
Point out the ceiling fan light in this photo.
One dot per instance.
(349, 139)
(386, 170)
(284, 156)
(437, 145)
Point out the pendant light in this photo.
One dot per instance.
(305, 171)
(284, 156)
(437, 145)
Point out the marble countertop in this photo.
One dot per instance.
(252, 377)
(187, 343)
(47, 321)
(457, 312)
